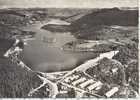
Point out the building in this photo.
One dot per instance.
(83, 85)
(79, 81)
(93, 86)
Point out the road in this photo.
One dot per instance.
(52, 87)
(91, 63)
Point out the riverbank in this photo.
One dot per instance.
(57, 25)
(57, 28)
(96, 46)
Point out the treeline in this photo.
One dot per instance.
(113, 16)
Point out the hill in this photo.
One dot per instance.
(106, 24)
(16, 82)
(109, 17)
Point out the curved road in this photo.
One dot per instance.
(53, 86)
(53, 89)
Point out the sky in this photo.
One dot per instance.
(68, 3)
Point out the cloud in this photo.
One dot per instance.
(69, 3)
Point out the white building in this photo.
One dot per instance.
(67, 80)
(71, 78)
(93, 86)
(83, 85)
(79, 81)
(112, 91)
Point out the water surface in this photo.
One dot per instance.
(44, 52)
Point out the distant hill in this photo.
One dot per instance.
(113, 16)
(11, 19)
(12, 12)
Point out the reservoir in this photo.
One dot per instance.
(44, 52)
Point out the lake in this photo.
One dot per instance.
(44, 52)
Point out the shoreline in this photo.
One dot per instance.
(16, 60)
